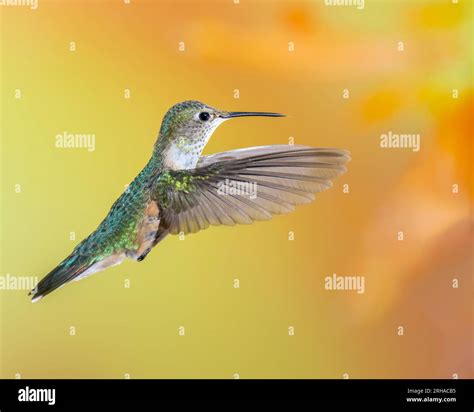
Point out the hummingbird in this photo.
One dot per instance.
(180, 191)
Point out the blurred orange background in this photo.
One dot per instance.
(344, 76)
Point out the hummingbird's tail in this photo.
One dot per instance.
(70, 268)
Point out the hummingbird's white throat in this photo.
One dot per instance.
(185, 151)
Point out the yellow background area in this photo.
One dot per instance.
(402, 88)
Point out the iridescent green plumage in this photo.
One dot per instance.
(119, 229)
(180, 191)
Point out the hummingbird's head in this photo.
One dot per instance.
(186, 129)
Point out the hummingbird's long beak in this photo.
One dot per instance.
(230, 115)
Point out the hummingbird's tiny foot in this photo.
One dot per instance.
(143, 255)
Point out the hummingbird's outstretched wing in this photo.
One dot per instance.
(242, 186)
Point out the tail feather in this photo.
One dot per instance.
(67, 270)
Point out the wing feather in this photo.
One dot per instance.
(284, 176)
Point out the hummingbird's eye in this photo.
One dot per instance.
(204, 116)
